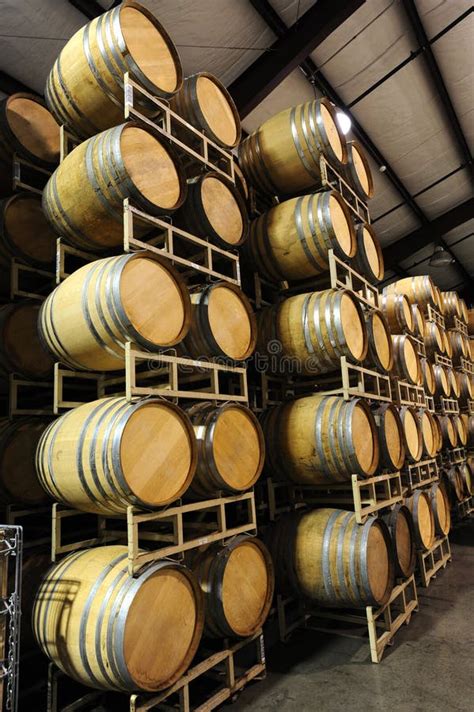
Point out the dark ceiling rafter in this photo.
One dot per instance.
(437, 78)
(10, 85)
(413, 55)
(316, 78)
(89, 8)
(288, 51)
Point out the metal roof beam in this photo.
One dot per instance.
(288, 51)
(425, 235)
(438, 80)
(89, 8)
(10, 85)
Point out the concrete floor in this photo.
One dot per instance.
(430, 668)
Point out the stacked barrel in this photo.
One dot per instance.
(100, 625)
(319, 440)
(440, 321)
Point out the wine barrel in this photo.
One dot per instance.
(34, 565)
(325, 556)
(397, 310)
(442, 382)
(231, 448)
(429, 382)
(368, 260)
(419, 290)
(399, 522)
(457, 482)
(448, 344)
(440, 508)
(380, 347)
(452, 306)
(109, 454)
(470, 464)
(240, 182)
(406, 361)
(283, 156)
(357, 171)
(464, 311)
(83, 199)
(429, 434)
(21, 350)
(466, 479)
(412, 433)
(453, 383)
(391, 436)
(28, 129)
(237, 582)
(466, 388)
(438, 299)
(434, 339)
(214, 209)
(206, 104)
(291, 241)
(321, 439)
(223, 324)
(461, 430)
(18, 479)
(312, 331)
(108, 630)
(419, 505)
(84, 89)
(460, 346)
(470, 321)
(419, 322)
(448, 430)
(135, 297)
(439, 432)
(25, 234)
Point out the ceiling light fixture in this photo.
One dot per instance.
(344, 122)
(440, 258)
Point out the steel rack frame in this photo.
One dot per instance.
(11, 556)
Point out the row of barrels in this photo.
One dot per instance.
(421, 290)
(109, 454)
(111, 631)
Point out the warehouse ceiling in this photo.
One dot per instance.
(402, 112)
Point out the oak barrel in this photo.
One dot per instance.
(407, 365)
(136, 297)
(111, 631)
(21, 350)
(312, 331)
(460, 346)
(357, 171)
(467, 479)
(368, 260)
(419, 322)
(391, 436)
(231, 448)
(439, 433)
(29, 130)
(321, 439)
(440, 507)
(214, 209)
(419, 505)
(466, 388)
(429, 434)
(380, 347)
(84, 89)
(324, 555)
(291, 241)
(283, 155)
(402, 534)
(25, 234)
(448, 430)
(429, 382)
(83, 199)
(442, 382)
(206, 104)
(397, 310)
(434, 339)
(448, 344)
(109, 454)
(456, 482)
(412, 433)
(451, 305)
(237, 583)
(19, 482)
(419, 290)
(461, 430)
(454, 383)
(223, 324)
